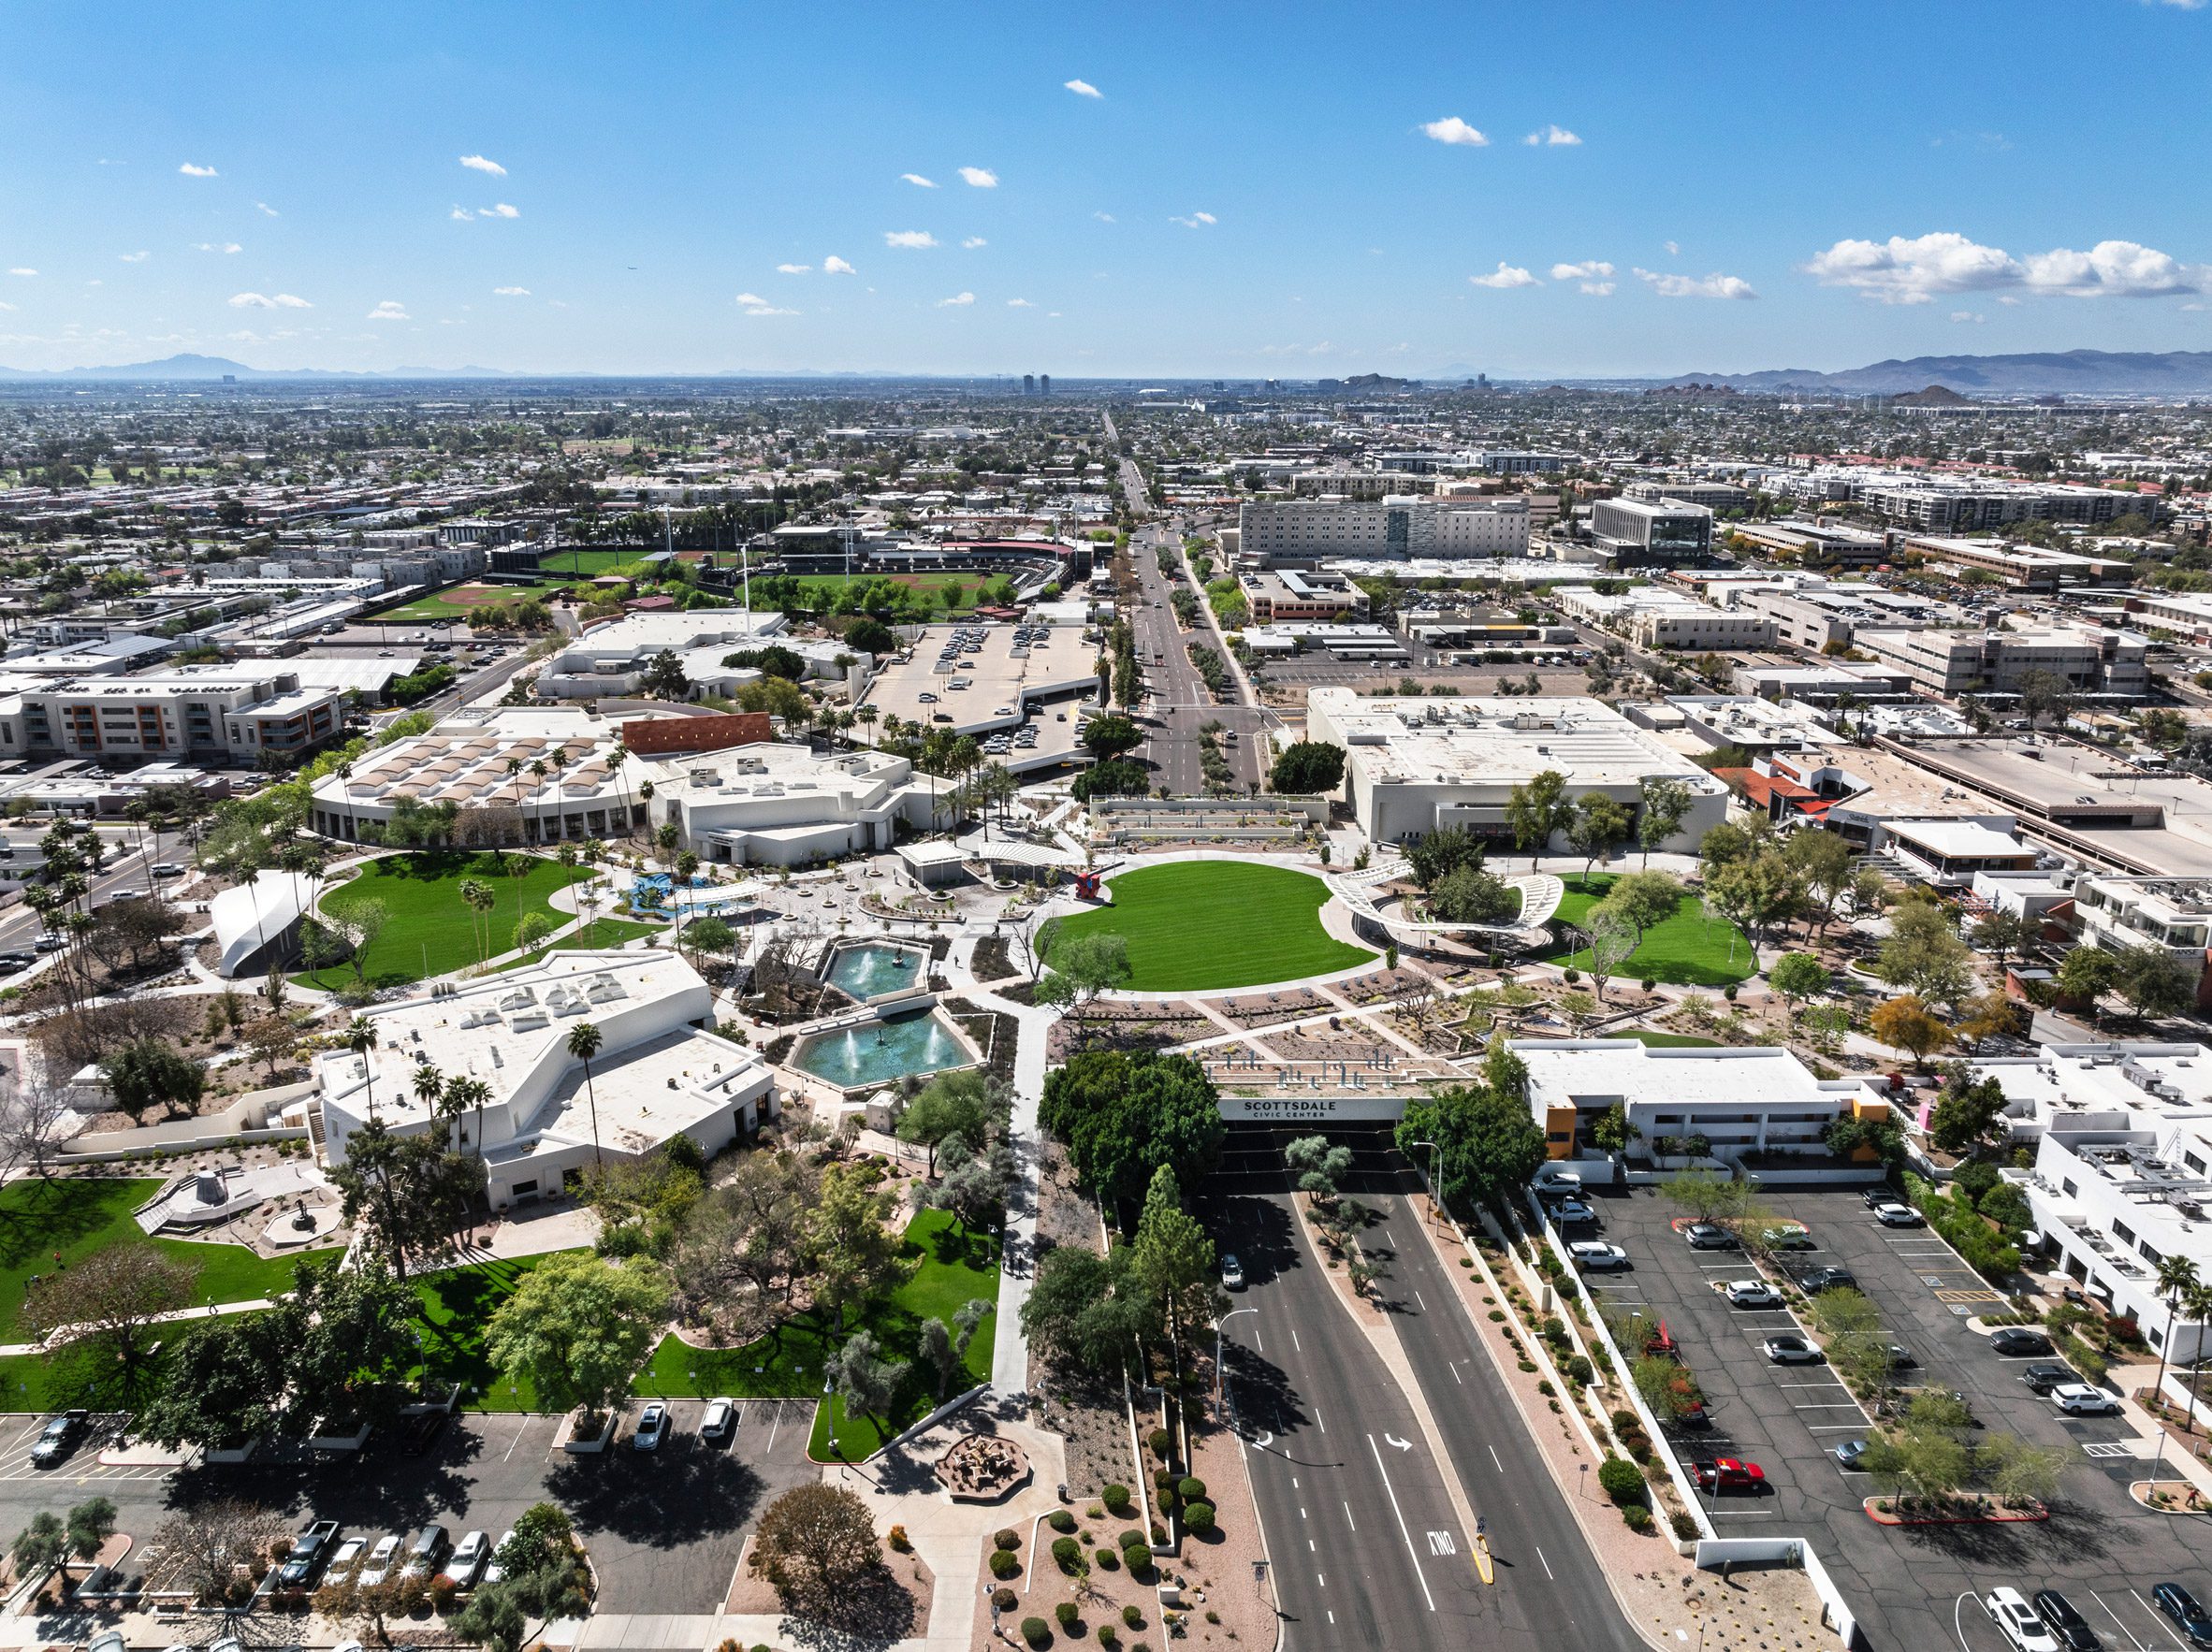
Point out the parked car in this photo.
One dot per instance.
(1851, 1453)
(17, 960)
(1827, 1278)
(1597, 1256)
(311, 1552)
(1895, 1215)
(1727, 1474)
(1877, 1196)
(2017, 1341)
(469, 1555)
(1710, 1236)
(2078, 1400)
(2065, 1621)
(1901, 1358)
(1569, 1213)
(1547, 1179)
(720, 1421)
(426, 1551)
(1232, 1272)
(652, 1427)
(1792, 1350)
(495, 1571)
(1789, 1237)
(379, 1564)
(2188, 1616)
(1750, 1293)
(2016, 1620)
(58, 1438)
(2046, 1375)
(343, 1562)
(49, 944)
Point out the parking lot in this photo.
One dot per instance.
(665, 1528)
(2098, 1547)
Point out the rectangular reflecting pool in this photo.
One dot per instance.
(869, 969)
(880, 1051)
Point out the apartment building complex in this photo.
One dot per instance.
(215, 713)
(2089, 659)
(1393, 527)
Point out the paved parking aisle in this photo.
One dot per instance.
(2099, 1547)
(82, 1467)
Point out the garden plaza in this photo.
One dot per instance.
(657, 1074)
(1412, 766)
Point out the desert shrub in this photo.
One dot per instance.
(1620, 1480)
(1117, 1500)
(898, 1539)
(1067, 1552)
(1637, 1517)
(1065, 1611)
(1037, 1631)
(1161, 1442)
(1004, 1564)
(1005, 1600)
(1198, 1518)
(442, 1591)
(1006, 1538)
(1109, 1636)
(1060, 1520)
(1134, 1619)
(1685, 1526)
(1131, 1538)
(1191, 1489)
(1105, 1560)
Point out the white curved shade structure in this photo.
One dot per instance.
(255, 913)
(1540, 895)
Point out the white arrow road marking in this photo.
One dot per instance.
(1393, 1439)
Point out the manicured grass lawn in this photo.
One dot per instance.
(951, 1267)
(436, 606)
(79, 1215)
(1666, 1040)
(457, 1306)
(429, 927)
(605, 931)
(824, 588)
(1687, 949)
(1205, 925)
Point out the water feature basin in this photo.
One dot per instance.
(863, 970)
(866, 1053)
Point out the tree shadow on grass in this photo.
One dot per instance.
(38, 1218)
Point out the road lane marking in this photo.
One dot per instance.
(1440, 1544)
(1348, 1517)
(1545, 1564)
(1494, 1457)
(1257, 1340)
(1455, 1372)
(1402, 1531)
(1294, 1342)
(1324, 1427)
(1417, 1297)
(2115, 1619)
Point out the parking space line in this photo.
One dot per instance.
(2116, 1621)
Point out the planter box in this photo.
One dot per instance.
(352, 1441)
(571, 1439)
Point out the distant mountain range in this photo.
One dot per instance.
(201, 369)
(2070, 372)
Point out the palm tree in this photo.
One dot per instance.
(479, 897)
(2196, 1305)
(617, 755)
(361, 1038)
(2175, 1278)
(429, 1084)
(462, 1093)
(584, 1040)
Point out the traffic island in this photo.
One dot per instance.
(1884, 1511)
(2169, 1497)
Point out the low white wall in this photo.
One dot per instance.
(1716, 1552)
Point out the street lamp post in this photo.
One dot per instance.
(1435, 1174)
(1218, 1324)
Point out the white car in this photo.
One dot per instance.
(344, 1561)
(2078, 1400)
(468, 1558)
(1597, 1256)
(1792, 1350)
(1751, 1293)
(379, 1566)
(2016, 1620)
(1896, 1215)
(652, 1427)
(494, 1571)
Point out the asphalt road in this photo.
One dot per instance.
(1175, 695)
(664, 1529)
(1366, 1546)
(128, 872)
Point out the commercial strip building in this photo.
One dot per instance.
(2089, 659)
(658, 1074)
(2122, 1134)
(1283, 594)
(2027, 567)
(1393, 527)
(1751, 1106)
(222, 714)
(1416, 766)
(1653, 617)
(1818, 544)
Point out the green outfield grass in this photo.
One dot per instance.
(1688, 949)
(440, 607)
(1206, 925)
(429, 930)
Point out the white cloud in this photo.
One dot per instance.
(480, 164)
(21, 270)
(1506, 275)
(192, 172)
(1691, 287)
(1082, 89)
(501, 210)
(511, 292)
(911, 240)
(792, 268)
(1194, 219)
(1916, 269)
(266, 211)
(1105, 218)
(832, 265)
(916, 179)
(1019, 304)
(974, 241)
(1595, 275)
(1452, 129)
(260, 301)
(754, 304)
(134, 257)
(219, 247)
(4, 305)
(955, 301)
(979, 178)
(1552, 136)
(1968, 316)
(390, 309)
(1673, 248)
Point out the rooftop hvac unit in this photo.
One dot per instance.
(707, 777)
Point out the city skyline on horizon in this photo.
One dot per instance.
(679, 194)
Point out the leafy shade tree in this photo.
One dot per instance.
(945, 1342)
(1662, 807)
(816, 1542)
(578, 1327)
(1756, 892)
(1085, 1313)
(113, 1300)
(1798, 976)
(1472, 894)
(1436, 857)
(865, 1381)
(663, 677)
(849, 1243)
(1486, 1143)
(1111, 737)
(148, 1073)
(1922, 956)
(1322, 1166)
(1174, 1262)
(1124, 1116)
(1609, 941)
(965, 1104)
(1904, 1022)
(1613, 1131)
(406, 1194)
(2152, 982)
(1307, 768)
(1822, 860)
(2002, 935)
(1537, 809)
(1080, 967)
(1645, 899)
(2085, 974)
(1600, 827)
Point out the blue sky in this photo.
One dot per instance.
(1242, 190)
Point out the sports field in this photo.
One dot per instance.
(824, 588)
(1195, 926)
(458, 601)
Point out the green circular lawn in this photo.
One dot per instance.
(1197, 926)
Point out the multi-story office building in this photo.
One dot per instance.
(1653, 617)
(1712, 496)
(1643, 532)
(2027, 567)
(2089, 659)
(2174, 914)
(1394, 527)
(1280, 594)
(211, 713)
